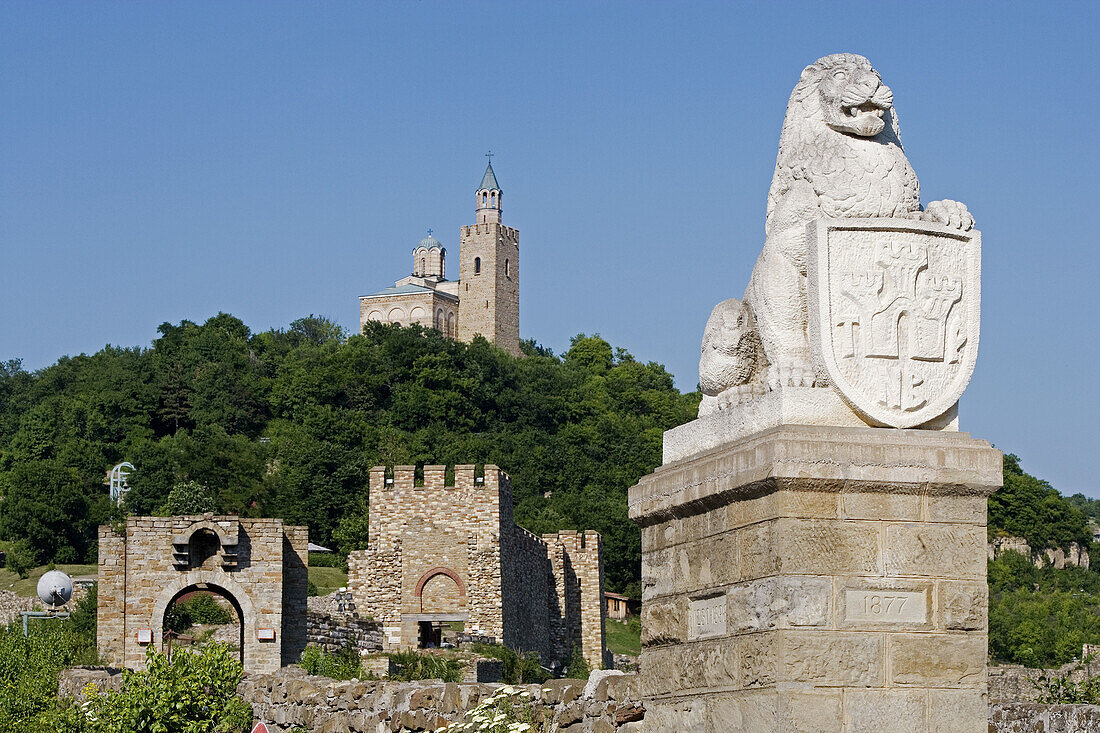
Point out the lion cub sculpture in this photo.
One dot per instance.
(840, 156)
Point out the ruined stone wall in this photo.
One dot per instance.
(447, 550)
(260, 563)
(582, 572)
(335, 631)
(529, 599)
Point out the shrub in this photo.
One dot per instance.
(507, 711)
(29, 669)
(414, 665)
(1060, 689)
(519, 668)
(201, 608)
(577, 668)
(343, 665)
(194, 691)
(21, 559)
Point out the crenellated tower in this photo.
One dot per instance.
(489, 272)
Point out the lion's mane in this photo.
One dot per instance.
(853, 176)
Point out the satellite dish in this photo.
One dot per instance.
(55, 588)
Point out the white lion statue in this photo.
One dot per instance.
(840, 155)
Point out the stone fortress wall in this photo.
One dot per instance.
(260, 564)
(451, 552)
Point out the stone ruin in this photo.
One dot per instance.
(451, 554)
(259, 565)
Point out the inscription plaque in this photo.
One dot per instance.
(886, 606)
(707, 617)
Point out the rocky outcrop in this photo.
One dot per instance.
(1073, 555)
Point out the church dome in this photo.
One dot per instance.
(429, 242)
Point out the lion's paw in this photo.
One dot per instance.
(950, 213)
(791, 376)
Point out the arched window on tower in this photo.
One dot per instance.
(477, 265)
(493, 198)
(484, 197)
(506, 273)
(423, 268)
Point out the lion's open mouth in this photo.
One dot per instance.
(864, 109)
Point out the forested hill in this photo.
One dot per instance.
(286, 423)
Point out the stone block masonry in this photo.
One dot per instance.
(259, 565)
(441, 553)
(817, 578)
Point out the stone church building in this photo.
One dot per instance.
(449, 554)
(485, 297)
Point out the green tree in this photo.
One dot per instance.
(188, 497)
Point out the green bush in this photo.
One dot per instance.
(201, 608)
(21, 559)
(519, 668)
(577, 668)
(1061, 689)
(327, 560)
(194, 692)
(414, 665)
(29, 669)
(1040, 617)
(343, 665)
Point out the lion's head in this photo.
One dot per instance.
(731, 354)
(852, 96)
(841, 134)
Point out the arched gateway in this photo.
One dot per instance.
(259, 565)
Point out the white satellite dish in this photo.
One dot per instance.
(55, 588)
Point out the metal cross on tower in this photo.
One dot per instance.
(489, 155)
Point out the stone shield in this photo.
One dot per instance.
(894, 311)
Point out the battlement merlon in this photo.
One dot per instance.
(435, 477)
(486, 227)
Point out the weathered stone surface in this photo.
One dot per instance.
(833, 658)
(870, 709)
(817, 711)
(778, 602)
(964, 606)
(827, 547)
(957, 711)
(937, 550)
(937, 660)
(893, 604)
(1034, 718)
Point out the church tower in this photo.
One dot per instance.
(488, 272)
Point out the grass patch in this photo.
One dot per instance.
(327, 579)
(28, 586)
(624, 637)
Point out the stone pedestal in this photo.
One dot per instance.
(815, 578)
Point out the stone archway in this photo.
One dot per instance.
(223, 586)
(440, 590)
(260, 564)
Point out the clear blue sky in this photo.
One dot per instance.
(162, 161)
